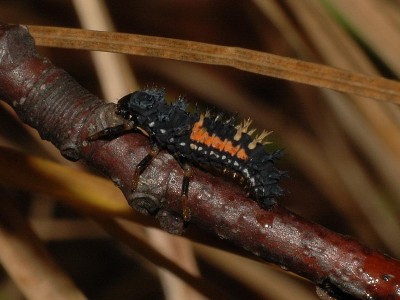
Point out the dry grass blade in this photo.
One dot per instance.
(87, 193)
(112, 69)
(248, 60)
(372, 25)
(269, 282)
(180, 252)
(27, 261)
(120, 230)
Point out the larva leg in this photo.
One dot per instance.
(145, 162)
(110, 132)
(187, 174)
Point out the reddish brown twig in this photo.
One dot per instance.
(48, 99)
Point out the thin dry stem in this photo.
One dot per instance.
(79, 189)
(248, 60)
(118, 230)
(371, 17)
(26, 260)
(269, 282)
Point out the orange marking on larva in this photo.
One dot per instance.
(242, 154)
(235, 151)
(221, 146)
(209, 140)
(200, 135)
(230, 148)
(216, 142)
(198, 132)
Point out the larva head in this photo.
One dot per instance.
(140, 103)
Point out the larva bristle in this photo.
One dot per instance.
(260, 138)
(233, 118)
(242, 128)
(212, 110)
(238, 135)
(181, 103)
(246, 125)
(202, 116)
(218, 117)
(252, 131)
(155, 90)
(229, 121)
(239, 130)
(252, 145)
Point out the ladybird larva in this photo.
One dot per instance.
(211, 141)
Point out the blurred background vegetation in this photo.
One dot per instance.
(341, 151)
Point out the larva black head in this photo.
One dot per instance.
(140, 103)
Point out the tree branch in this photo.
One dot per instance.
(48, 99)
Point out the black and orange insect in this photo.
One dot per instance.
(210, 141)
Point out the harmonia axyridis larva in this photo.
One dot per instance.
(209, 141)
